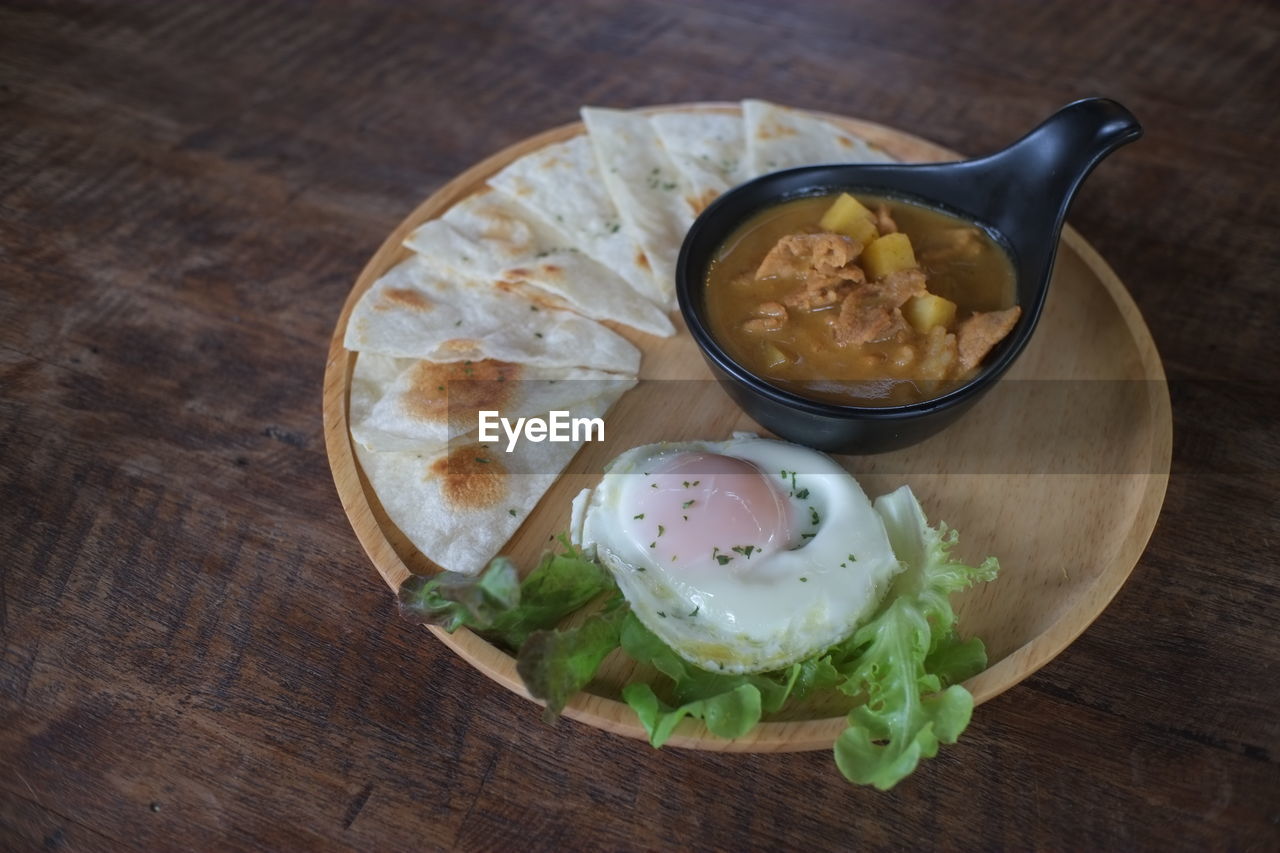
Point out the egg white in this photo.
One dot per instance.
(753, 614)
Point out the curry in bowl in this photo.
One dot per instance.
(867, 301)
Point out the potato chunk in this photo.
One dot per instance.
(928, 310)
(889, 254)
(850, 217)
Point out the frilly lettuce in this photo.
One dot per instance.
(907, 659)
(905, 663)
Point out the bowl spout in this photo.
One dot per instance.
(1029, 185)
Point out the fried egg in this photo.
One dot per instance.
(744, 555)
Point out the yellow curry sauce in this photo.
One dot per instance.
(810, 296)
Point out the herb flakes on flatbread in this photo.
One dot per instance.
(782, 138)
(416, 312)
(562, 185)
(650, 193)
(491, 235)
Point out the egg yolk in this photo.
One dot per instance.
(707, 510)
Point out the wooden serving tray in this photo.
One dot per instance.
(1060, 471)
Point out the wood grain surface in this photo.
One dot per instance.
(197, 652)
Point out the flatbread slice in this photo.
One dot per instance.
(490, 235)
(782, 138)
(709, 149)
(460, 507)
(409, 405)
(562, 185)
(652, 196)
(414, 311)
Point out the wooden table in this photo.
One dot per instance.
(198, 654)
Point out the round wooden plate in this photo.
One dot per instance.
(1060, 471)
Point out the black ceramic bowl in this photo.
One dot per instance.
(1019, 196)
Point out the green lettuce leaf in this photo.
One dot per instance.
(560, 584)
(955, 660)
(815, 673)
(555, 664)
(728, 714)
(729, 705)
(899, 660)
(497, 604)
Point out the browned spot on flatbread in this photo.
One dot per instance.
(642, 260)
(700, 203)
(471, 477)
(499, 228)
(459, 345)
(845, 141)
(773, 130)
(551, 270)
(456, 390)
(526, 286)
(403, 297)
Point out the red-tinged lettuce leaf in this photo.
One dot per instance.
(497, 604)
(452, 600)
(556, 664)
(561, 584)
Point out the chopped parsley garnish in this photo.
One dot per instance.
(663, 615)
(804, 580)
(638, 517)
(482, 460)
(852, 559)
(661, 530)
(653, 544)
(512, 513)
(695, 611)
(723, 558)
(745, 550)
(796, 492)
(687, 504)
(807, 535)
(813, 516)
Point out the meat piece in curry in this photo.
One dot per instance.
(829, 298)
